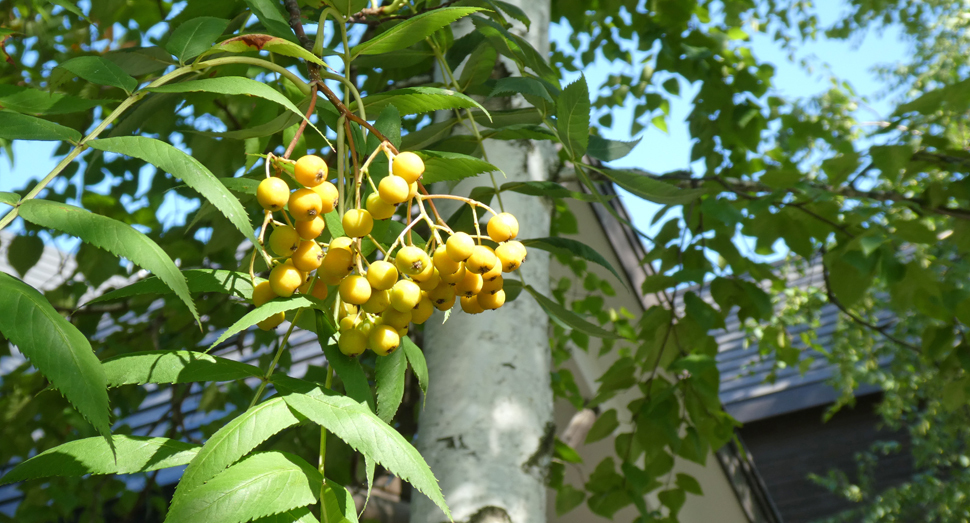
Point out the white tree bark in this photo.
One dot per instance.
(486, 429)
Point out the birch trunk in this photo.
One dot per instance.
(486, 429)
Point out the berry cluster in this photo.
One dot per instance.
(379, 299)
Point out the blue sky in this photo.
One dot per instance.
(658, 151)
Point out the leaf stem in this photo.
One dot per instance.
(323, 446)
(276, 359)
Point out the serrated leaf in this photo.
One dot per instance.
(24, 252)
(263, 484)
(263, 312)
(261, 42)
(364, 431)
(609, 150)
(513, 11)
(198, 280)
(16, 126)
(572, 118)
(652, 190)
(389, 375)
(442, 166)
(174, 366)
(572, 248)
(56, 348)
(338, 504)
(99, 70)
(418, 363)
(187, 169)
(9, 198)
(479, 67)
(193, 37)
(35, 102)
(94, 456)
(416, 100)
(269, 14)
(233, 441)
(349, 369)
(297, 515)
(604, 426)
(113, 236)
(520, 85)
(568, 318)
(549, 189)
(411, 31)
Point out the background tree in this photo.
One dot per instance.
(885, 212)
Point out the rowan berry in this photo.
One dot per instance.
(393, 189)
(511, 255)
(491, 300)
(405, 295)
(495, 272)
(357, 223)
(503, 227)
(352, 342)
(412, 190)
(383, 340)
(493, 285)
(378, 208)
(285, 279)
(411, 260)
(328, 196)
(262, 293)
(310, 170)
(308, 256)
(319, 290)
(442, 296)
(396, 318)
(443, 262)
(482, 260)
(347, 309)
(310, 229)
(378, 302)
(422, 311)
(305, 205)
(382, 275)
(470, 305)
(408, 165)
(272, 194)
(433, 281)
(355, 289)
(456, 276)
(348, 322)
(459, 246)
(284, 241)
(470, 285)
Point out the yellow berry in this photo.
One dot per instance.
(348, 322)
(493, 285)
(262, 293)
(328, 196)
(470, 285)
(308, 257)
(409, 166)
(311, 229)
(422, 311)
(283, 241)
(285, 279)
(355, 289)
(425, 274)
(412, 190)
(319, 290)
(456, 276)
(495, 272)
(382, 275)
(482, 260)
(405, 295)
(459, 246)
(343, 243)
(352, 342)
(346, 309)
(378, 302)
(411, 260)
(383, 340)
(393, 189)
(357, 223)
(431, 282)
(272, 194)
(442, 296)
(272, 322)
(510, 255)
(305, 205)
(491, 300)
(310, 170)
(443, 262)
(470, 305)
(503, 227)
(378, 208)
(395, 318)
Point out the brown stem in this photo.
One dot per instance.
(353, 117)
(299, 132)
(431, 203)
(361, 16)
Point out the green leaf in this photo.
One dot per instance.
(269, 14)
(572, 118)
(349, 369)
(261, 313)
(522, 85)
(650, 189)
(364, 431)
(16, 126)
(443, 166)
(297, 515)
(338, 504)
(689, 484)
(173, 366)
(513, 11)
(95, 456)
(479, 67)
(240, 185)
(186, 168)
(418, 363)
(34, 101)
(98, 70)
(673, 499)
(233, 441)
(609, 150)
(195, 36)
(198, 280)
(9, 198)
(549, 189)
(347, 7)
(56, 348)
(263, 484)
(113, 236)
(604, 426)
(572, 248)
(566, 453)
(260, 42)
(411, 31)
(73, 8)
(24, 252)
(416, 100)
(568, 318)
(568, 497)
(389, 375)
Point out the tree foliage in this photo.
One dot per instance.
(165, 116)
